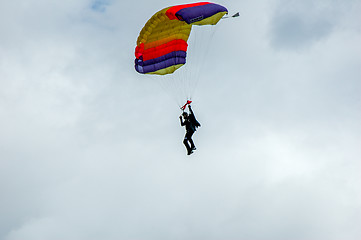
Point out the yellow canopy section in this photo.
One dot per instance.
(160, 29)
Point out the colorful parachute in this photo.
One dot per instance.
(162, 43)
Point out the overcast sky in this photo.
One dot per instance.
(92, 150)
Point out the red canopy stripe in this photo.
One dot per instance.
(155, 52)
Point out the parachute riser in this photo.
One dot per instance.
(185, 105)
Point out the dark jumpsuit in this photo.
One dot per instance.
(191, 124)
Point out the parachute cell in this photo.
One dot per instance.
(162, 43)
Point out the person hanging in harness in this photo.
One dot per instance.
(190, 122)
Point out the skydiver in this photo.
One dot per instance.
(191, 124)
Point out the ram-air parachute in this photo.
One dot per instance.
(162, 43)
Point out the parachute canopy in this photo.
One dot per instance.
(162, 43)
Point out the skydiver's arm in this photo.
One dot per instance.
(181, 120)
(190, 109)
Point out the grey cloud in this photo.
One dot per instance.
(89, 149)
(290, 31)
(300, 24)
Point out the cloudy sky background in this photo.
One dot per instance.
(90, 150)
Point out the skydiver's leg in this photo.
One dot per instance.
(192, 143)
(189, 137)
(185, 142)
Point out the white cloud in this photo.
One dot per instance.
(89, 149)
